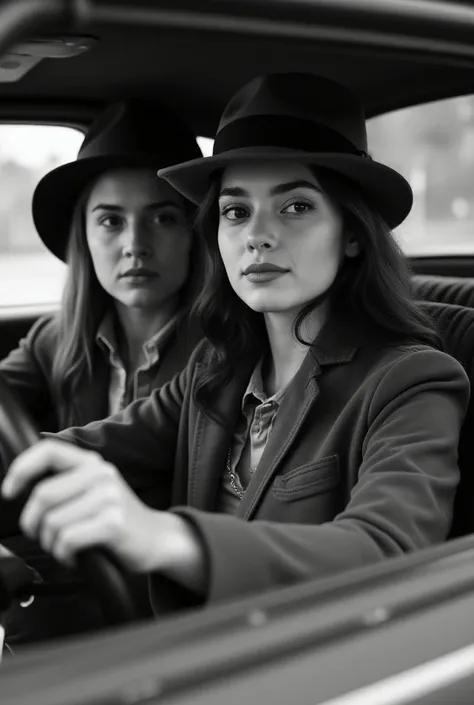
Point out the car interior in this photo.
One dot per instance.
(61, 63)
(174, 62)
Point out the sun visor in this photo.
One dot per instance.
(24, 56)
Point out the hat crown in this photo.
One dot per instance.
(139, 128)
(318, 103)
(129, 134)
(302, 118)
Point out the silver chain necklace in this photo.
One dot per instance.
(235, 482)
(234, 478)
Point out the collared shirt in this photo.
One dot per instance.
(250, 439)
(122, 389)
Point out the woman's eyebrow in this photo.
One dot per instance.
(149, 206)
(107, 207)
(161, 204)
(291, 185)
(237, 191)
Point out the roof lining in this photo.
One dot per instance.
(195, 69)
(421, 25)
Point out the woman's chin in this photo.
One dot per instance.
(268, 304)
(141, 299)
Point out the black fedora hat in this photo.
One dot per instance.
(135, 133)
(297, 117)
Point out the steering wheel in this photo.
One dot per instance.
(97, 567)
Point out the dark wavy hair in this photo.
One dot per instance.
(375, 286)
(84, 305)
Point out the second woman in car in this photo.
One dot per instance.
(123, 328)
(127, 239)
(316, 429)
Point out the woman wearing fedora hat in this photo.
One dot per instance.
(316, 428)
(127, 239)
(123, 328)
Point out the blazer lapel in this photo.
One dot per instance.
(212, 442)
(336, 344)
(298, 400)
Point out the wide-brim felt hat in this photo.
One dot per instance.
(303, 118)
(131, 133)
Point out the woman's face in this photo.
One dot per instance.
(139, 237)
(279, 236)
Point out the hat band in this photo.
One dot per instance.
(282, 131)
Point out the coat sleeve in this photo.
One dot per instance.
(27, 368)
(140, 440)
(401, 502)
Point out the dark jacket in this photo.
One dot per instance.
(361, 464)
(28, 370)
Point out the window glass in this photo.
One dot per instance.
(206, 144)
(29, 273)
(432, 145)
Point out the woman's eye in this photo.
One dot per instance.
(111, 222)
(298, 208)
(234, 213)
(164, 218)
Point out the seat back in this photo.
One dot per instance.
(448, 290)
(456, 325)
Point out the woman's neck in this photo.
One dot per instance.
(136, 326)
(287, 354)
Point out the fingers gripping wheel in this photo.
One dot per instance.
(99, 570)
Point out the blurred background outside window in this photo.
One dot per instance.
(432, 145)
(29, 273)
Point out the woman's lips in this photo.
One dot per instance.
(265, 275)
(139, 272)
(263, 272)
(139, 276)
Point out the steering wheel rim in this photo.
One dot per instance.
(96, 566)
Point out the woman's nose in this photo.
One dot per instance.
(136, 242)
(260, 235)
(258, 243)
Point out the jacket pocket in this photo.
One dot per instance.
(307, 480)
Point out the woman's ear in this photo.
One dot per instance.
(352, 247)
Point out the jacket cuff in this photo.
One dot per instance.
(228, 542)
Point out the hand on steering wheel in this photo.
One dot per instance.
(103, 574)
(83, 502)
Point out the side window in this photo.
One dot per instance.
(432, 145)
(29, 274)
(206, 144)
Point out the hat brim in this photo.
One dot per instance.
(56, 195)
(387, 190)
